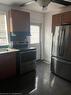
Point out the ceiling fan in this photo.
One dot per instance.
(44, 3)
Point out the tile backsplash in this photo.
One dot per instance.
(18, 39)
(18, 36)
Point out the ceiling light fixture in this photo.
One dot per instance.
(43, 3)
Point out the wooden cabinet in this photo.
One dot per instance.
(19, 21)
(61, 19)
(7, 65)
(66, 18)
(56, 20)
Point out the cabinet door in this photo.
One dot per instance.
(7, 65)
(56, 20)
(66, 18)
(20, 21)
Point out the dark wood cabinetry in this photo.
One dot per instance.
(7, 65)
(19, 21)
(61, 19)
(56, 20)
(66, 18)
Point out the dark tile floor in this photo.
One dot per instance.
(49, 84)
(40, 83)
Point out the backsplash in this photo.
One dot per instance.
(18, 39)
(18, 36)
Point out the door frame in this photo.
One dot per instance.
(40, 25)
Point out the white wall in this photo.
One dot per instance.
(48, 34)
(48, 37)
(4, 8)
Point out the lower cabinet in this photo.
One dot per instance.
(7, 65)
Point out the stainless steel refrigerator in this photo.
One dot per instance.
(61, 52)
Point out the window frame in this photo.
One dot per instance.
(34, 24)
(7, 43)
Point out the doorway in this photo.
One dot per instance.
(35, 39)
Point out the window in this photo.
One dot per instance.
(3, 30)
(35, 34)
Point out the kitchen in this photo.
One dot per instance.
(36, 18)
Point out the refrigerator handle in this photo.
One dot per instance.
(60, 42)
(63, 41)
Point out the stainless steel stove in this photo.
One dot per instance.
(26, 58)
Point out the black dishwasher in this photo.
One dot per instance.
(26, 59)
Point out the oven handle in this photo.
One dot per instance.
(27, 51)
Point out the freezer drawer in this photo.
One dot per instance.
(61, 68)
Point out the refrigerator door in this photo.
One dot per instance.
(57, 43)
(67, 42)
(61, 68)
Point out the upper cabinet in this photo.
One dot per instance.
(66, 18)
(61, 19)
(19, 21)
(56, 20)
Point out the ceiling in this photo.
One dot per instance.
(33, 6)
(11, 2)
(51, 7)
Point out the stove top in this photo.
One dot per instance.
(26, 49)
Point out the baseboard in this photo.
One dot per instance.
(42, 60)
(45, 61)
(38, 60)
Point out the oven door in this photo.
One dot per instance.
(27, 61)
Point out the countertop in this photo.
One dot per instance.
(7, 50)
